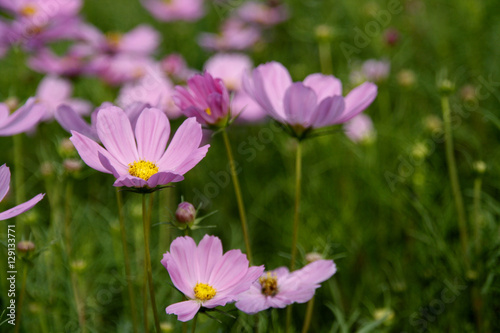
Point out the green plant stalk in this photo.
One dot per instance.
(19, 180)
(452, 170)
(126, 258)
(237, 191)
(193, 328)
(146, 215)
(478, 182)
(325, 57)
(80, 307)
(21, 297)
(295, 227)
(309, 312)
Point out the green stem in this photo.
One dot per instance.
(128, 275)
(298, 178)
(325, 57)
(237, 192)
(21, 297)
(309, 312)
(193, 328)
(452, 169)
(80, 308)
(19, 181)
(146, 215)
(477, 213)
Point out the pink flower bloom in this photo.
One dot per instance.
(154, 89)
(360, 129)
(260, 13)
(246, 109)
(38, 10)
(139, 159)
(175, 10)
(121, 68)
(315, 102)
(53, 91)
(71, 64)
(279, 288)
(22, 120)
(376, 70)
(235, 35)
(176, 68)
(206, 98)
(4, 188)
(205, 276)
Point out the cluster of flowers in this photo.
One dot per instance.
(208, 278)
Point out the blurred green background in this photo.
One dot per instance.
(383, 211)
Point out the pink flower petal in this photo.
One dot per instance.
(358, 100)
(185, 311)
(21, 208)
(299, 103)
(152, 132)
(324, 85)
(5, 181)
(163, 178)
(328, 111)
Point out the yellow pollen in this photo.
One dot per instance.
(142, 169)
(114, 38)
(208, 111)
(269, 284)
(28, 10)
(204, 292)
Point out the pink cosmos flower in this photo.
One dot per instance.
(206, 98)
(4, 188)
(121, 68)
(175, 67)
(54, 91)
(315, 102)
(360, 129)
(139, 159)
(175, 10)
(153, 88)
(71, 64)
(205, 276)
(376, 70)
(279, 288)
(234, 35)
(22, 120)
(230, 67)
(260, 13)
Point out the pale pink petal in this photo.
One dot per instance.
(152, 132)
(324, 85)
(21, 208)
(315, 272)
(163, 178)
(115, 131)
(179, 263)
(252, 301)
(23, 119)
(358, 100)
(209, 252)
(5, 181)
(229, 270)
(143, 39)
(129, 181)
(72, 121)
(299, 103)
(328, 111)
(185, 311)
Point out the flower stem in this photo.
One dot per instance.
(146, 216)
(298, 178)
(452, 170)
(309, 312)
(239, 197)
(477, 213)
(19, 180)
(128, 275)
(193, 328)
(21, 297)
(325, 57)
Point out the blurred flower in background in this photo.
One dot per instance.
(360, 129)
(175, 10)
(21, 120)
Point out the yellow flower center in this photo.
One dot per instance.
(204, 292)
(208, 111)
(28, 10)
(269, 284)
(114, 38)
(142, 169)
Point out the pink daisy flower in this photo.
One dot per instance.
(316, 102)
(279, 288)
(137, 158)
(4, 188)
(205, 276)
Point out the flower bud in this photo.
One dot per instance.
(12, 103)
(391, 36)
(386, 313)
(185, 213)
(324, 33)
(66, 147)
(406, 78)
(313, 256)
(72, 165)
(25, 246)
(479, 167)
(46, 169)
(78, 266)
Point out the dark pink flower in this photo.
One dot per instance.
(205, 276)
(4, 188)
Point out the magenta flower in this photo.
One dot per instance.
(137, 157)
(22, 120)
(175, 10)
(315, 102)
(206, 98)
(4, 188)
(205, 276)
(279, 288)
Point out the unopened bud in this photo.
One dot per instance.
(313, 256)
(72, 165)
(479, 167)
(386, 313)
(25, 246)
(66, 147)
(185, 213)
(12, 103)
(324, 33)
(46, 169)
(166, 327)
(406, 78)
(79, 265)
(446, 87)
